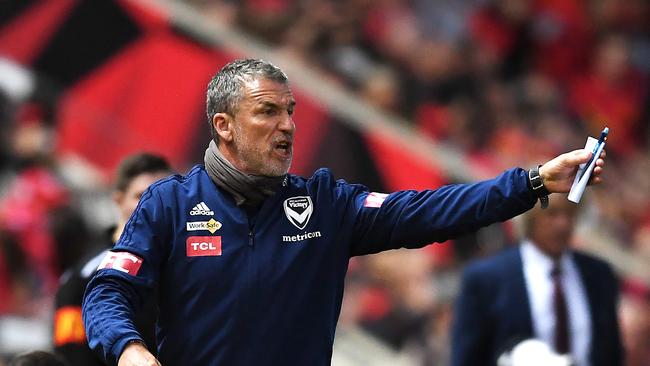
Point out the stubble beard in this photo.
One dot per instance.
(252, 155)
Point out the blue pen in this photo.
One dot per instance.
(601, 140)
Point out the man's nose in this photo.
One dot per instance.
(286, 124)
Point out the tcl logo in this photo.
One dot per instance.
(201, 246)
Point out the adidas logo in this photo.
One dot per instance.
(201, 209)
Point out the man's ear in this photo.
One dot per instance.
(222, 124)
(118, 197)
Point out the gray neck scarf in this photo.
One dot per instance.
(249, 190)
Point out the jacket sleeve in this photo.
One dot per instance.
(125, 278)
(413, 219)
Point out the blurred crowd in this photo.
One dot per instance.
(42, 229)
(508, 82)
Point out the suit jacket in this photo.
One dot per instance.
(493, 310)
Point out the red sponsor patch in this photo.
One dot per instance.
(203, 246)
(375, 199)
(121, 261)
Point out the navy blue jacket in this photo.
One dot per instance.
(493, 311)
(267, 289)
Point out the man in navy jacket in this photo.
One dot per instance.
(510, 297)
(249, 260)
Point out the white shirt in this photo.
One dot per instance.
(537, 268)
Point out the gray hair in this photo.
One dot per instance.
(225, 89)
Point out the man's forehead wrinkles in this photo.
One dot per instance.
(272, 97)
(282, 92)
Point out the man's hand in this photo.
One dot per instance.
(558, 174)
(136, 354)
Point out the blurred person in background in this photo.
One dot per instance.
(6, 124)
(133, 176)
(15, 277)
(405, 276)
(249, 256)
(38, 358)
(540, 289)
(408, 305)
(31, 196)
(41, 232)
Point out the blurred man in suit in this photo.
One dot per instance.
(539, 289)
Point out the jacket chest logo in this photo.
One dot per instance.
(212, 225)
(201, 209)
(298, 210)
(203, 246)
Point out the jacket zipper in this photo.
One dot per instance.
(250, 284)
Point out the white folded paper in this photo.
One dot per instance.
(584, 171)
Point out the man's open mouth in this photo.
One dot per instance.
(284, 147)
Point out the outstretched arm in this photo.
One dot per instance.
(412, 219)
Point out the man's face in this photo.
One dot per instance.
(127, 200)
(551, 229)
(263, 129)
